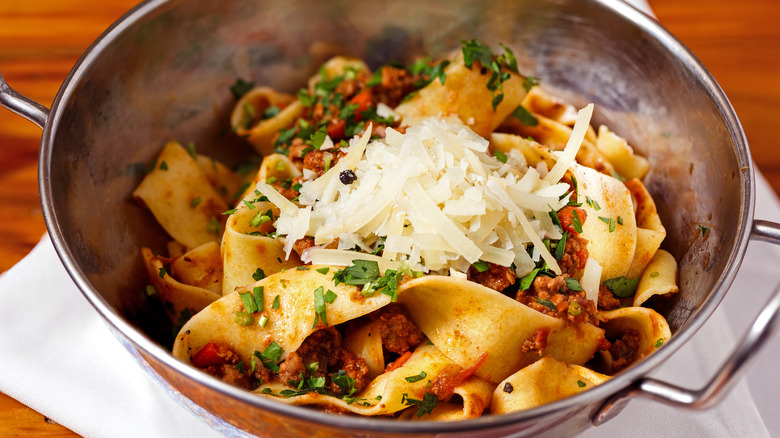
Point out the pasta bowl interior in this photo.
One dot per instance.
(165, 73)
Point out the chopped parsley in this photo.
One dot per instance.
(528, 279)
(593, 204)
(259, 274)
(195, 202)
(473, 51)
(301, 268)
(481, 266)
(525, 117)
(275, 304)
(560, 250)
(500, 156)
(263, 321)
(573, 284)
(546, 303)
(424, 406)
(241, 87)
(654, 274)
(417, 377)
(163, 165)
(703, 229)
(622, 287)
(618, 177)
(581, 384)
(530, 82)
(191, 150)
(260, 218)
(320, 313)
(610, 221)
(345, 383)
(575, 221)
(323, 271)
(270, 356)
(659, 342)
(366, 273)
(161, 272)
(554, 217)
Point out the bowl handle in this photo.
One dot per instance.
(764, 325)
(25, 107)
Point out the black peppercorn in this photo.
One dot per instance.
(508, 388)
(347, 176)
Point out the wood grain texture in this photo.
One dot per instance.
(41, 40)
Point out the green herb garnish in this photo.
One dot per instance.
(416, 378)
(241, 87)
(424, 406)
(622, 287)
(525, 117)
(546, 303)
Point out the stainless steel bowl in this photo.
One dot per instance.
(163, 71)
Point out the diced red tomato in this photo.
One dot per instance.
(565, 216)
(364, 101)
(336, 129)
(207, 356)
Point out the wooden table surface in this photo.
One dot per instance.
(41, 40)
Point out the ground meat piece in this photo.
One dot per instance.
(349, 88)
(496, 277)
(355, 367)
(607, 301)
(575, 255)
(316, 160)
(399, 333)
(323, 347)
(231, 375)
(550, 296)
(624, 350)
(565, 215)
(221, 362)
(292, 368)
(546, 287)
(537, 342)
(396, 84)
(295, 152)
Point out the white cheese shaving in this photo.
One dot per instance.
(434, 197)
(591, 279)
(572, 146)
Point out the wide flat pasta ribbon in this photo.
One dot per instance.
(288, 324)
(177, 188)
(467, 320)
(545, 381)
(179, 300)
(245, 249)
(466, 95)
(387, 394)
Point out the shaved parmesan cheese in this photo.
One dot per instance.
(591, 279)
(435, 197)
(572, 146)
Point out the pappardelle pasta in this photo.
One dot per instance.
(436, 241)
